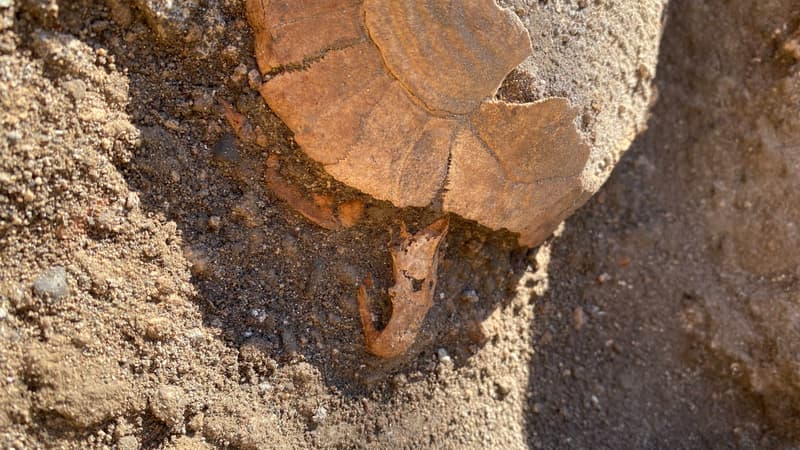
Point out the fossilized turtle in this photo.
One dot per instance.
(397, 99)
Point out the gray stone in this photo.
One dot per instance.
(52, 284)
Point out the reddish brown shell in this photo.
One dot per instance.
(396, 98)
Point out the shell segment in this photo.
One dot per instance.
(385, 92)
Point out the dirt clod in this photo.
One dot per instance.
(168, 404)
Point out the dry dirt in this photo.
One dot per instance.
(155, 294)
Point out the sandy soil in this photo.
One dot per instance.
(155, 294)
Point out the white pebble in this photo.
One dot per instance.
(444, 357)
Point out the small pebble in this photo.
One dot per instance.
(320, 415)
(158, 328)
(239, 73)
(254, 79)
(195, 335)
(476, 332)
(168, 404)
(75, 88)
(127, 443)
(791, 48)
(578, 318)
(225, 149)
(203, 102)
(197, 423)
(19, 299)
(214, 223)
(6, 3)
(469, 296)
(503, 388)
(444, 357)
(132, 200)
(52, 284)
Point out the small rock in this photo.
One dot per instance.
(476, 332)
(200, 265)
(195, 335)
(123, 428)
(28, 196)
(443, 356)
(469, 296)
(18, 298)
(578, 318)
(127, 443)
(132, 200)
(52, 284)
(320, 415)
(791, 48)
(239, 73)
(86, 391)
(225, 149)
(174, 21)
(168, 404)
(231, 53)
(202, 101)
(13, 136)
(75, 88)
(196, 442)
(214, 223)
(158, 329)
(254, 79)
(503, 388)
(165, 286)
(196, 423)
(6, 3)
